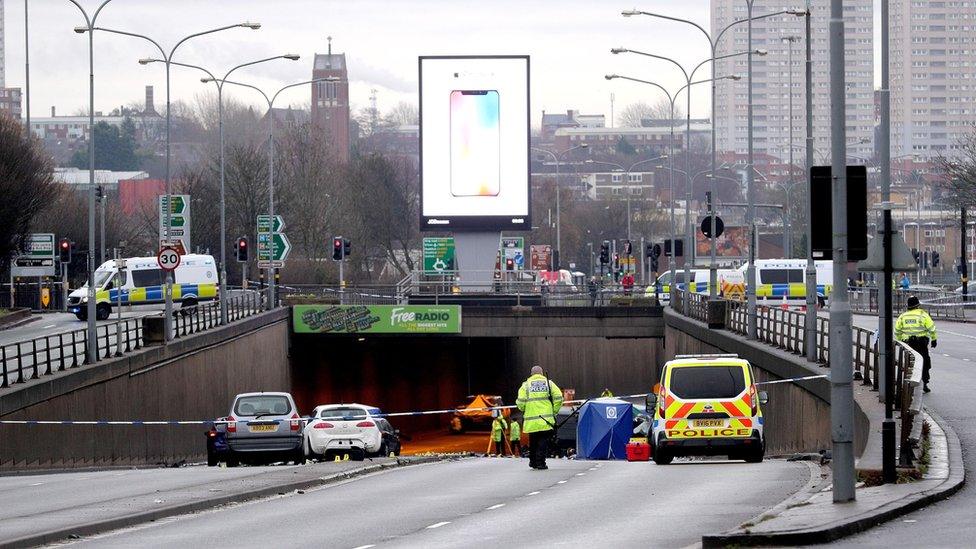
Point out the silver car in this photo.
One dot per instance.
(262, 427)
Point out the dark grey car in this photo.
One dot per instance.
(263, 427)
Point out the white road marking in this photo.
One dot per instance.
(957, 334)
(51, 326)
(495, 506)
(943, 354)
(37, 484)
(580, 474)
(561, 482)
(438, 525)
(592, 469)
(365, 546)
(532, 493)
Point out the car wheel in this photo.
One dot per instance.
(102, 311)
(81, 316)
(300, 457)
(383, 451)
(212, 460)
(307, 449)
(663, 457)
(756, 456)
(233, 462)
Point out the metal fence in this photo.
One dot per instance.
(28, 295)
(33, 358)
(938, 303)
(785, 329)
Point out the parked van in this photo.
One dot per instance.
(779, 278)
(142, 284)
(699, 282)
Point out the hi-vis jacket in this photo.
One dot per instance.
(498, 429)
(914, 323)
(515, 434)
(539, 402)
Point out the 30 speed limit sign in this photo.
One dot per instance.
(168, 259)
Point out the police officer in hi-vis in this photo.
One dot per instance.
(916, 328)
(539, 399)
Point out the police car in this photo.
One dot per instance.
(707, 405)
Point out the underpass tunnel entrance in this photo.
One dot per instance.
(405, 373)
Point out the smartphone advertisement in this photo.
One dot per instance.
(474, 143)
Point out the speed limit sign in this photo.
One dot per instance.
(168, 259)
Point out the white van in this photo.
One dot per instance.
(779, 278)
(699, 281)
(142, 284)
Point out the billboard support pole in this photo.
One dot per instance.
(476, 253)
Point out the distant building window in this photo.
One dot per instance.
(616, 178)
(635, 177)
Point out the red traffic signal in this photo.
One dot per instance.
(241, 250)
(509, 264)
(64, 250)
(337, 249)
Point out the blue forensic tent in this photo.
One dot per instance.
(604, 429)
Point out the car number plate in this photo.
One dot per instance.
(709, 423)
(263, 428)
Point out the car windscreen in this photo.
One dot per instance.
(255, 405)
(343, 414)
(707, 382)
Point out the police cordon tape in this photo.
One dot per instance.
(223, 421)
(334, 418)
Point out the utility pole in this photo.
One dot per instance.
(810, 325)
(841, 367)
(751, 321)
(965, 256)
(884, 148)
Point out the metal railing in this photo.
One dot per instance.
(942, 304)
(28, 294)
(785, 329)
(378, 294)
(33, 358)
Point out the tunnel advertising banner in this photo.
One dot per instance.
(376, 319)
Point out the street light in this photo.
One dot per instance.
(270, 100)
(220, 123)
(168, 59)
(91, 344)
(713, 45)
(555, 159)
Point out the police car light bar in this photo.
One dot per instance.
(730, 355)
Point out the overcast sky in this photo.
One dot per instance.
(568, 40)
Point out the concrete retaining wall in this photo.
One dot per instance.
(193, 378)
(797, 418)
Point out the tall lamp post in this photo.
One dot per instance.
(713, 44)
(787, 232)
(555, 159)
(168, 60)
(91, 345)
(220, 125)
(270, 100)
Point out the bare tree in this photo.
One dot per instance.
(959, 185)
(632, 115)
(402, 114)
(26, 183)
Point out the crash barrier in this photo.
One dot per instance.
(29, 295)
(416, 413)
(33, 358)
(42, 356)
(785, 329)
(380, 294)
(942, 304)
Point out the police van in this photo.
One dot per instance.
(707, 405)
(728, 279)
(779, 279)
(195, 280)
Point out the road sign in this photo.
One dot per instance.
(540, 257)
(264, 222)
(270, 264)
(38, 257)
(179, 223)
(168, 259)
(273, 247)
(512, 247)
(439, 254)
(706, 226)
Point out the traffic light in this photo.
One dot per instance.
(616, 262)
(916, 255)
(241, 250)
(346, 248)
(64, 250)
(337, 248)
(628, 248)
(605, 252)
(935, 259)
(679, 248)
(509, 264)
(925, 259)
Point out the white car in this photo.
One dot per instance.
(355, 429)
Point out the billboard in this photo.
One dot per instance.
(439, 254)
(474, 143)
(734, 243)
(376, 319)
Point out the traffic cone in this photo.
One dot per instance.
(785, 306)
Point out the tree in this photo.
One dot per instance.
(632, 115)
(402, 114)
(26, 184)
(959, 185)
(115, 148)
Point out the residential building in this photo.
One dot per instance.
(570, 119)
(330, 100)
(3, 81)
(10, 102)
(771, 76)
(933, 76)
(652, 139)
(617, 185)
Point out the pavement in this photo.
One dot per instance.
(36, 509)
(464, 502)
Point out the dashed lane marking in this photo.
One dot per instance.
(957, 334)
(37, 484)
(438, 525)
(561, 482)
(49, 326)
(580, 474)
(495, 506)
(365, 546)
(533, 493)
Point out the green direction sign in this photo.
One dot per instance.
(178, 231)
(181, 202)
(264, 222)
(273, 247)
(439, 254)
(376, 319)
(37, 258)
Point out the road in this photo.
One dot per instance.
(950, 522)
(56, 323)
(491, 502)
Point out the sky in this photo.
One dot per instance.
(569, 43)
